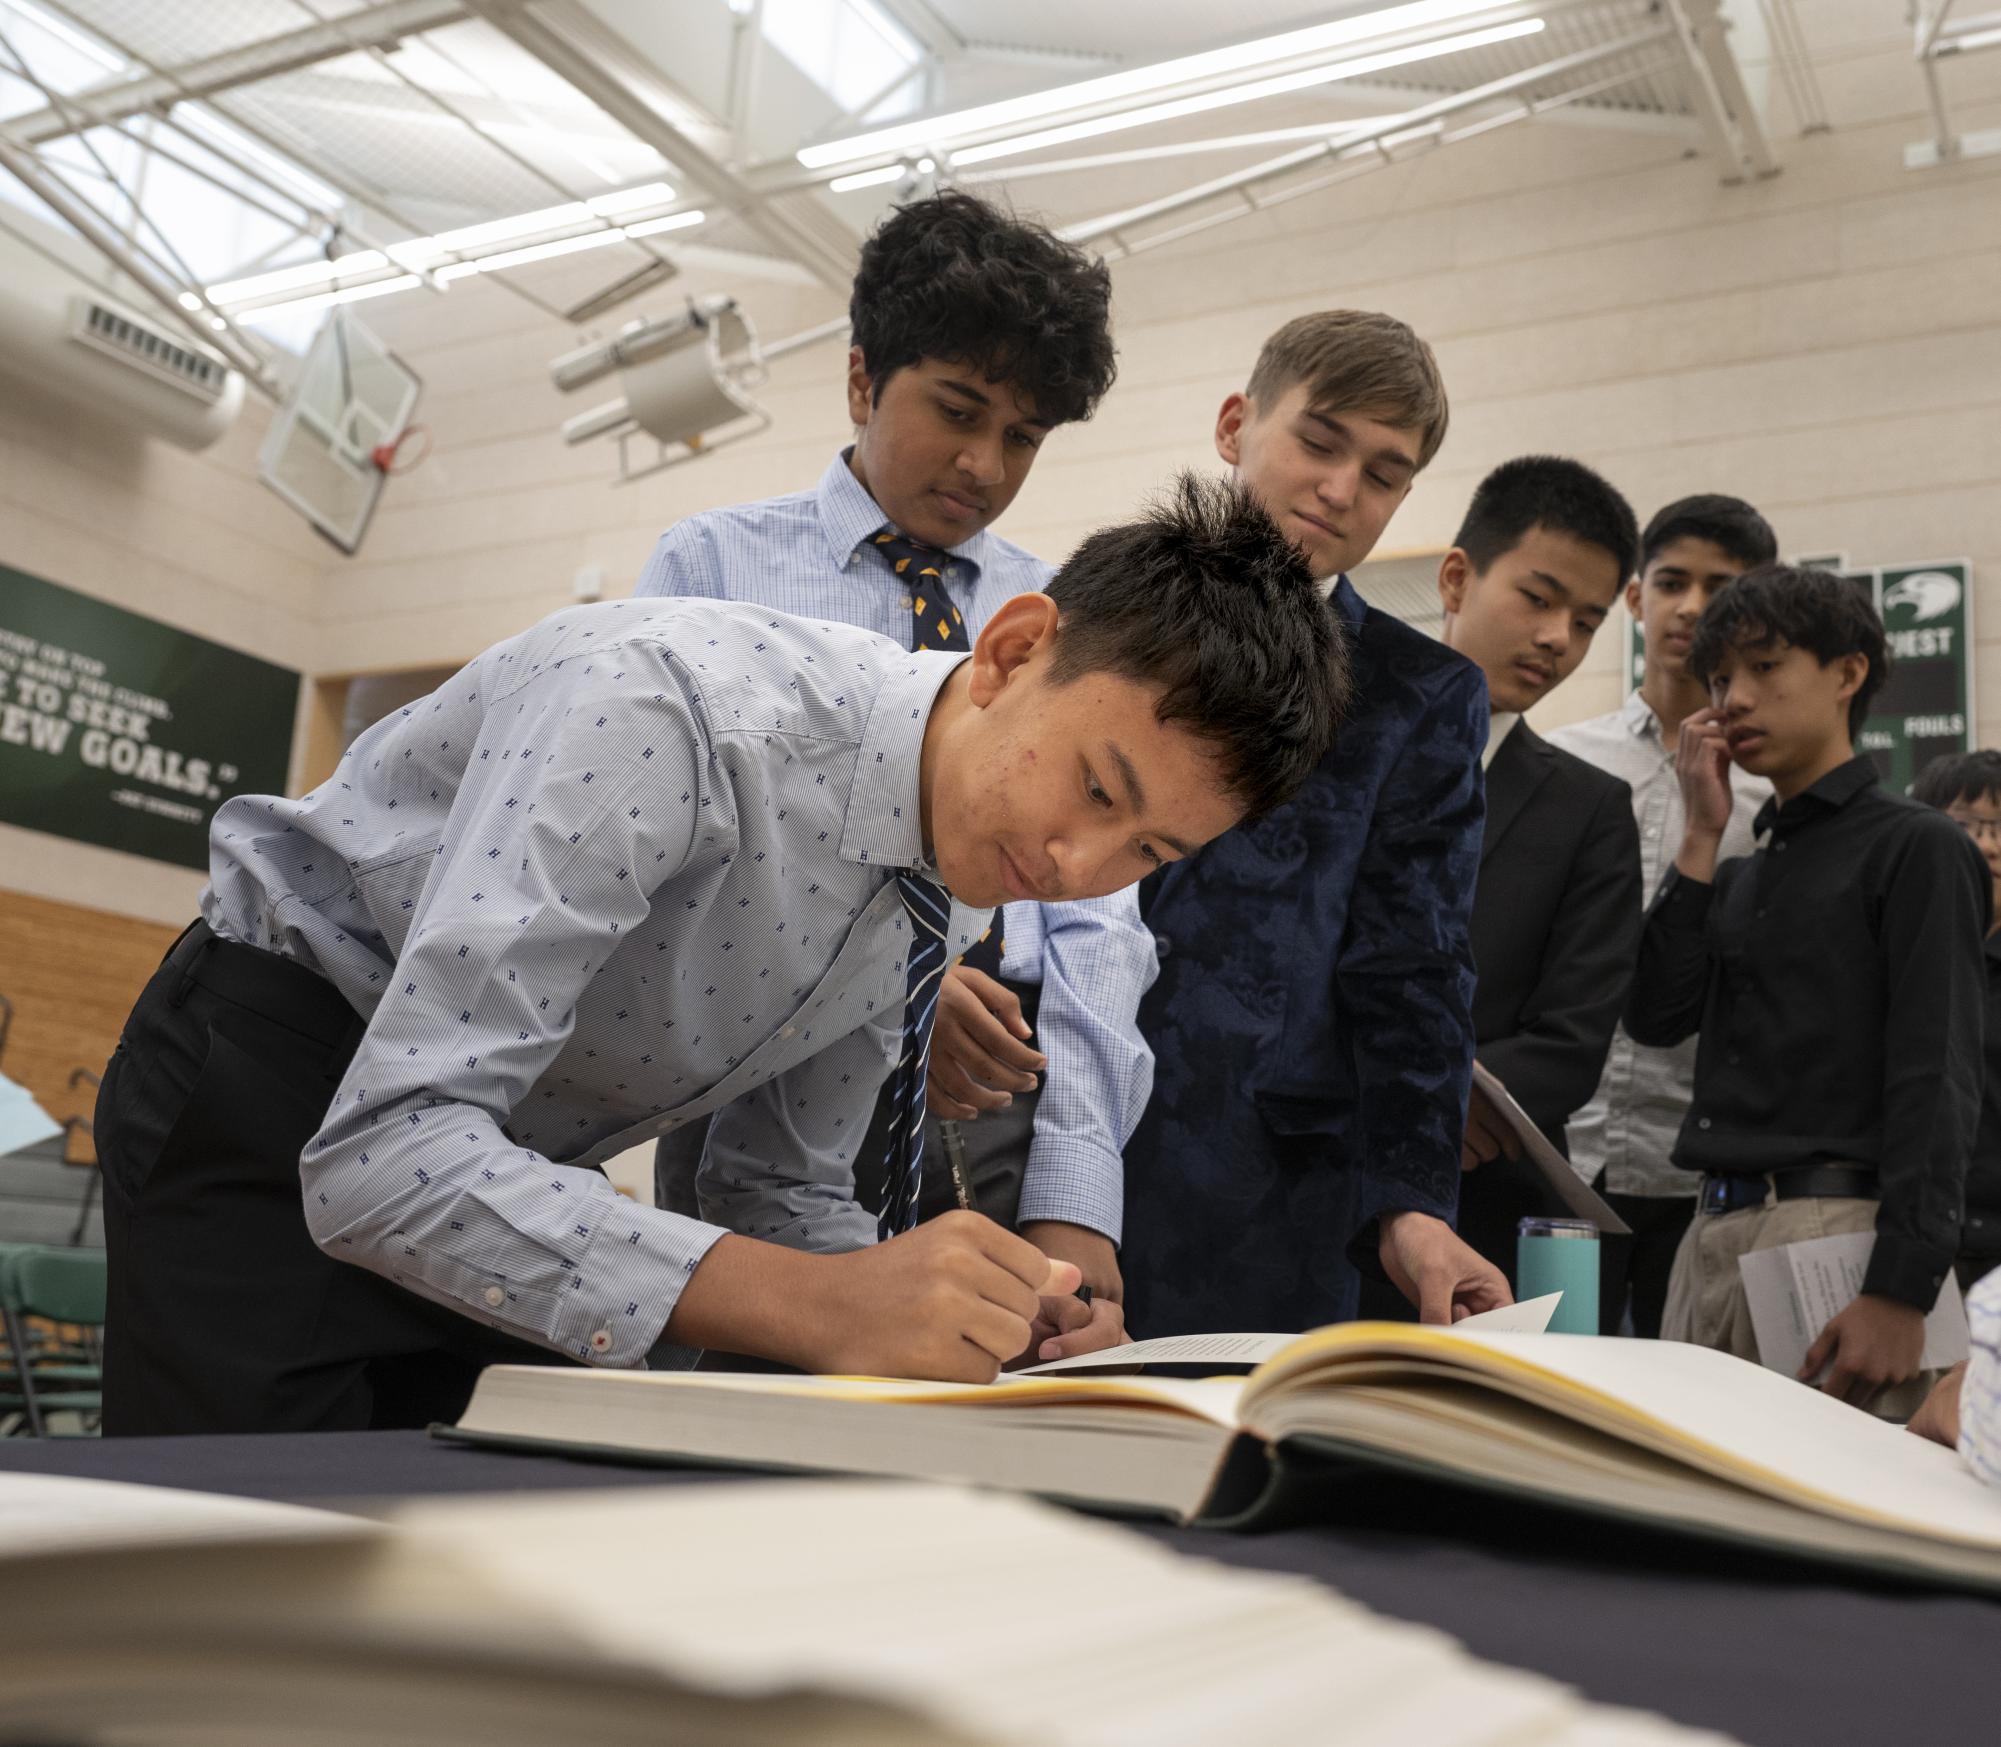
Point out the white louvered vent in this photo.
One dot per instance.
(147, 348)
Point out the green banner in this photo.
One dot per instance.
(1926, 706)
(121, 731)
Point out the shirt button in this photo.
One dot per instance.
(1736, 1060)
(787, 1030)
(1162, 945)
(495, 1297)
(601, 1341)
(1761, 912)
(1702, 1122)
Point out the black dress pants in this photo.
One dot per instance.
(1635, 1277)
(224, 1315)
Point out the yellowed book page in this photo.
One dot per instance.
(1723, 1414)
(1207, 1398)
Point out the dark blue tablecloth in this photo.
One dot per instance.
(1777, 1654)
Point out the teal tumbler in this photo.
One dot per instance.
(1560, 1255)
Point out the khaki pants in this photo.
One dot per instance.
(1705, 1298)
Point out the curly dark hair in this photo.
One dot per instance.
(953, 277)
(1553, 493)
(1204, 598)
(1815, 610)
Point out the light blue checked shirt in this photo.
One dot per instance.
(1980, 1393)
(811, 552)
(632, 867)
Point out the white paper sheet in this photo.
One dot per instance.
(1531, 1317)
(1496, 1103)
(1793, 1290)
(23, 1122)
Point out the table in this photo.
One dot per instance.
(1774, 1652)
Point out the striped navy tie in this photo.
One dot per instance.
(929, 909)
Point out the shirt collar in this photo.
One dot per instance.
(885, 822)
(1639, 717)
(1833, 792)
(850, 517)
(1499, 726)
(1342, 596)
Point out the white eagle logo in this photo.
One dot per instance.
(1930, 594)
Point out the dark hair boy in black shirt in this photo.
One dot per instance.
(1834, 976)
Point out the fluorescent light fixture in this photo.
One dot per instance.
(1177, 107)
(1973, 39)
(317, 272)
(1136, 81)
(539, 252)
(419, 252)
(674, 221)
(189, 301)
(866, 179)
(631, 199)
(468, 238)
(350, 294)
(292, 278)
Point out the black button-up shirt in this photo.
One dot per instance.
(1982, 1236)
(1837, 980)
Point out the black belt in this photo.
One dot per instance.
(270, 985)
(1730, 1194)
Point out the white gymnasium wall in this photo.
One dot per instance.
(1826, 343)
(189, 539)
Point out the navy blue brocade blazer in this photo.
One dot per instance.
(1312, 1024)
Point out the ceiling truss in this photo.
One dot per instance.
(1657, 64)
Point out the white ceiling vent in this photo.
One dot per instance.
(147, 348)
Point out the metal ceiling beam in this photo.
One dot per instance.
(1716, 90)
(136, 264)
(1934, 43)
(614, 76)
(1378, 139)
(378, 27)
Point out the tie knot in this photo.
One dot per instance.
(935, 619)
(929, 904)
(890, 535)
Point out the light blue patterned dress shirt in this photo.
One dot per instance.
(811, 553)
(632, 867)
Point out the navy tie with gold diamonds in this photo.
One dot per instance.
(936, 623)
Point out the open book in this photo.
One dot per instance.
(835, 1614)
(1658, 1430)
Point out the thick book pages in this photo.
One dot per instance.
(838, 1614)
(1660, 1430)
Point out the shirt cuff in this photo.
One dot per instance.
(1683, 902)
(1076, 1183)
(1364, 1248)
(623, 1291)
(1906, 1270)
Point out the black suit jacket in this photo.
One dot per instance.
(1556, 932)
